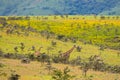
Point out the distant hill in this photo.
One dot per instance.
(113, 11)
(58, 7)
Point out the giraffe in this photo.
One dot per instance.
(66, 54)
(37, 53)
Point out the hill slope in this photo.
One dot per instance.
(66, 34)
(113, 11)
(34, 71)
(47, 7)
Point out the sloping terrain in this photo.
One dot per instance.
(57, 34)
(106, 37)
(52, 7)
(36, 71)
(113, 11)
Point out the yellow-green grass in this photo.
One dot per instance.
(86, 30)
(99, 31)
(8, 42)
(36, 71)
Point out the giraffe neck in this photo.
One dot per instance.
(67, 54)
(39, 49)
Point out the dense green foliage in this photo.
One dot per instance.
(62, 75)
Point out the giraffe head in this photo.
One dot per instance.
(37, 53)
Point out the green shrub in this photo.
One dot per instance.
(62, 75)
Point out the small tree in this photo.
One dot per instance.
(56, 59)
(3, 21)
(31, 56)
(33, 48)
(76, 61)
(102, 17)
(14, 76)
(85, 68)
(22, 46)
(1, 53)
(53, 43)
(78, 48)
(62, 75)
(96, 63)
(16, 49)
(43, 58)
(49, 66)
(102, 48)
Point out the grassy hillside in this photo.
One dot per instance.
(87, 50)
(96, 35)
(94, 30)
(89, 33)
(36, 71)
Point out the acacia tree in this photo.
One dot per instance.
(85, 67)
(62, 75)
(1, 53)
(43, 58)
(14, 76)
(22, 46)
(49, 66)
(3, 21)
(53, 43)
(16, 49)
(78, 49)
